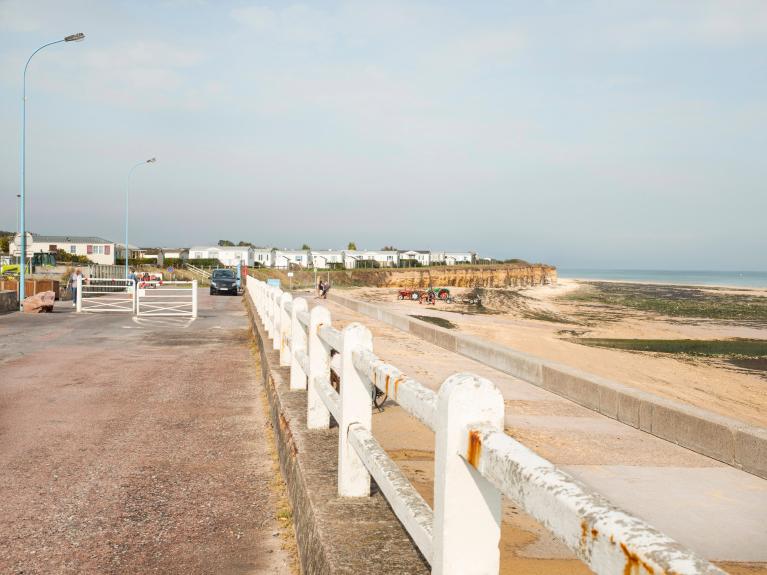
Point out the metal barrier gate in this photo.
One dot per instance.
(176, 298)
(106, 295)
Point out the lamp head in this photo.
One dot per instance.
(79, 37)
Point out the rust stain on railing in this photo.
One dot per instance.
(475, 448)
(634, 565)
(397, 381)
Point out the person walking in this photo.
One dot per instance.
(325, 289)
(73, 285)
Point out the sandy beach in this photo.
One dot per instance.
(552, 321)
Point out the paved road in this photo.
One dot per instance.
(714, 509)
(133, 446)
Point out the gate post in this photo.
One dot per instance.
(194, 298)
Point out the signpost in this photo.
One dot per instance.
(290, 277)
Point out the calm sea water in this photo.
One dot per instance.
(740, 279)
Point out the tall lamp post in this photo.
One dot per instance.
(22, 223)
(127, 189)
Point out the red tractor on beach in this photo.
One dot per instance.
(429, 295)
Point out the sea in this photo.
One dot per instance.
(750, 279)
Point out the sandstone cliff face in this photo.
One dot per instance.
(444, 276)
(460, 276)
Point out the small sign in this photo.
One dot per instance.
(170, 269)
(290, 274)
(273, 282)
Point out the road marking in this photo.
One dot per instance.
(164, 322)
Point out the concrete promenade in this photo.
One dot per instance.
(716, 510)
(135, 446)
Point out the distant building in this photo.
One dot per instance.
(370, 258)
(98, 250)
(453, 258)
(286, 259)
(263, 257)
(136, 253)
(423, 257)
(227, 255)
(326, 259)
(175, 254)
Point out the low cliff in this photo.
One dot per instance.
(515, 275)
(465, 276)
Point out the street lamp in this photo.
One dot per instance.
(127, 188)
(22, 230)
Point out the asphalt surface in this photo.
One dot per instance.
(135, 446)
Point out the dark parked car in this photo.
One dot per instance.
(223, 281)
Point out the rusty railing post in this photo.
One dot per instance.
(467, 507)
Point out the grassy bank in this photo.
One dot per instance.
(675, 301)
(749, 354)
(701, 347)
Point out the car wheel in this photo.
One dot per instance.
(415, 296)
(400, 296)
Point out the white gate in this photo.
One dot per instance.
(106, 295)
(161, 298)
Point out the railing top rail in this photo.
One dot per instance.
(303, 318)
(168, 282)
(414, 397)
(93, 280)
(601, 534)
(332, 337)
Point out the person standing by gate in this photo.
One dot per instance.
(73, 285)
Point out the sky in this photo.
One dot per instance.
(577, 133)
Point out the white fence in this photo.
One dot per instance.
(167, 298)
(105, 295)
(476, 463)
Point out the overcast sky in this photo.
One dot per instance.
(583, 134)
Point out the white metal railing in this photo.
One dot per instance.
(167, 298)
(198, 271)
(105, 295)
(475, 461)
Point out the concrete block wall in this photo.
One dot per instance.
(9, 301)
(722, 438)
